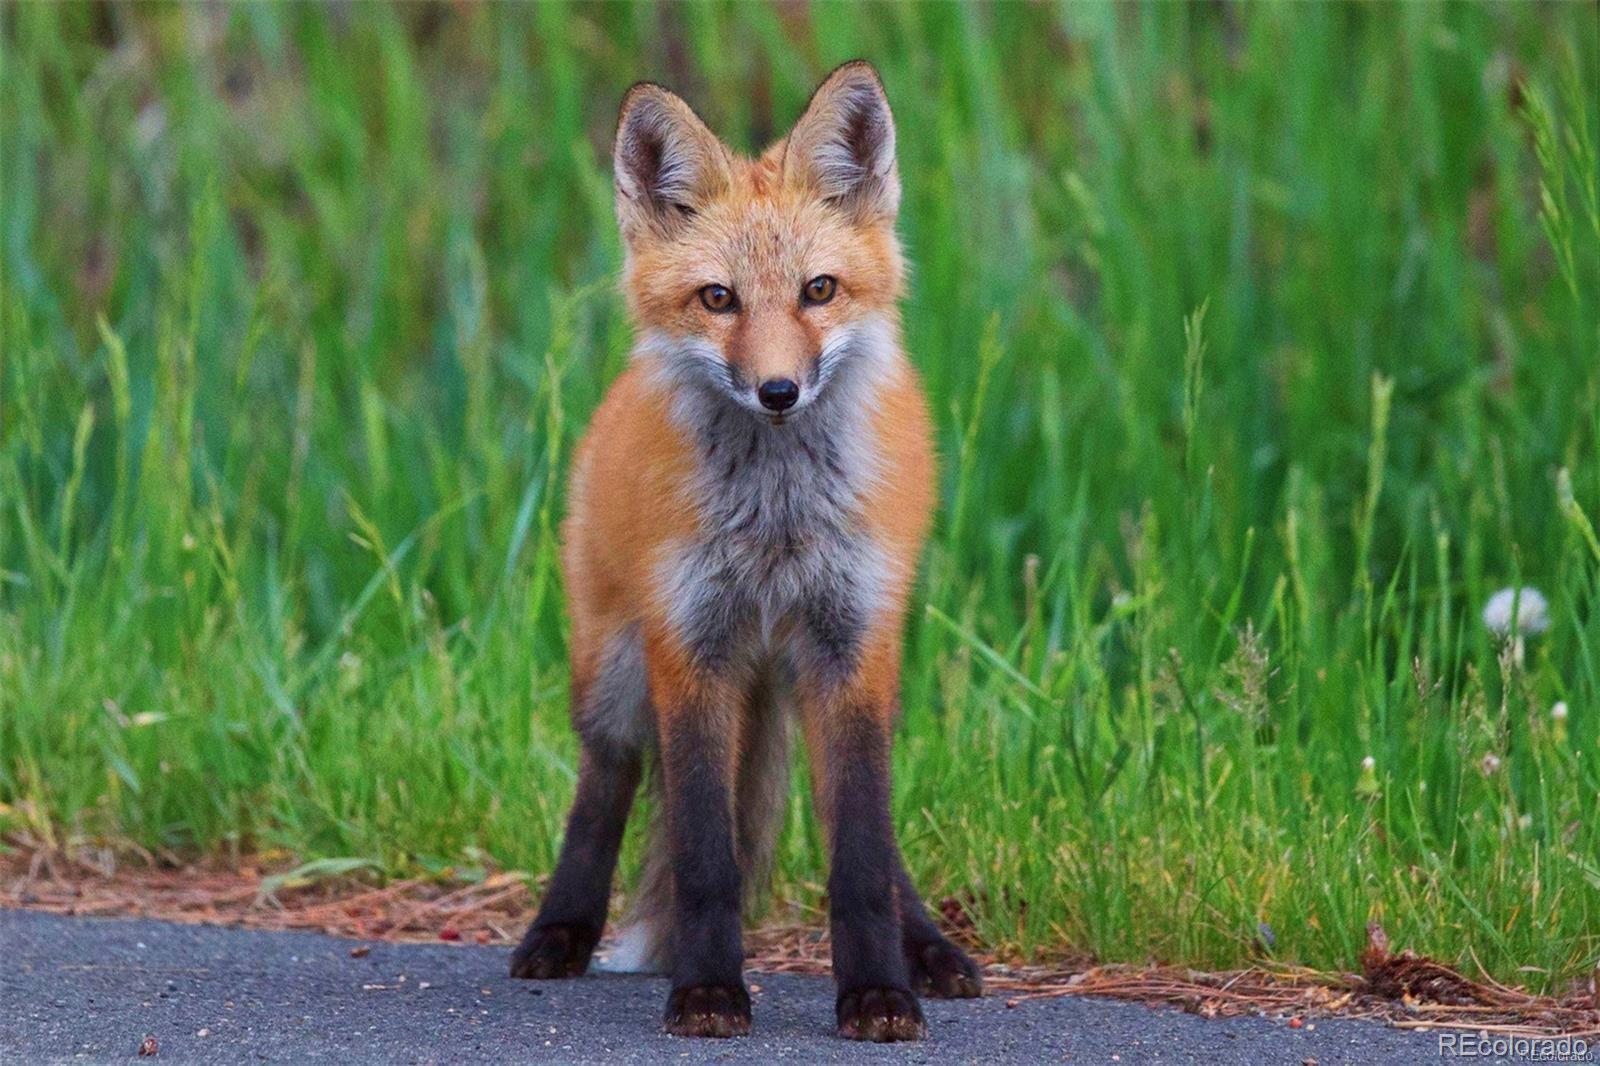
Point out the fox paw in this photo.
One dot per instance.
(942, 970)
(881, 1015)
(708, 1010)
(557, 950)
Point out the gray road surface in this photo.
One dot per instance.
(85, 989)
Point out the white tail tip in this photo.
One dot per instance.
(632, 952)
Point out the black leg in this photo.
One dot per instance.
(869, 960)
(563, 936)
(708, 995)
(937, 967)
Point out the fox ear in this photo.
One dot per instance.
(844, 144)
(667, 162)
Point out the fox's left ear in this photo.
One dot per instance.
(844, 144)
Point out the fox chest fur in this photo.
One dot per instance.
(782, 563)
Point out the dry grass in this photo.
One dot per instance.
(1398, 988)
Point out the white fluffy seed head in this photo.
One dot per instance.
(1559, 711)
(1517, 612)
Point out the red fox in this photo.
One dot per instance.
(746, 512)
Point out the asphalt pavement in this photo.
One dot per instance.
(92, 990)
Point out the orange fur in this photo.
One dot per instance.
(763, 233)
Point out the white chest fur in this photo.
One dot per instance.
(782, 551)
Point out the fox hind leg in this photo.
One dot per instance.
(762, 789)
(938, 968)
(613, 720)
(563, 936)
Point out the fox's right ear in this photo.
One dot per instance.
(667, 162)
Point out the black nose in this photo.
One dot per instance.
(778, 395)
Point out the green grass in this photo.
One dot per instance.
(1261, 340)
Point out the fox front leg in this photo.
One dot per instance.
(847, 723)
(698, 727)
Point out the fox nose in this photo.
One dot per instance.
(778, 394)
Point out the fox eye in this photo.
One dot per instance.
(819, 290)
(719, 299)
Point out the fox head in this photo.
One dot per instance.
(765, 281)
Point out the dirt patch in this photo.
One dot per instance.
(1400, 988)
